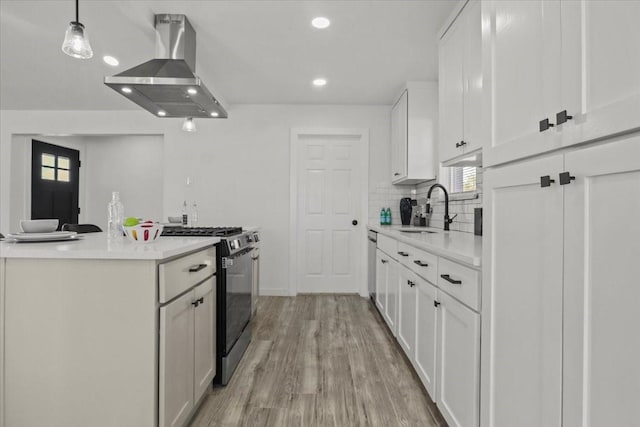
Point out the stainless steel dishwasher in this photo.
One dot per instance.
(371, 265)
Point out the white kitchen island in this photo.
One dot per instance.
(96, 332)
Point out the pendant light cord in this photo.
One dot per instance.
(77, 18)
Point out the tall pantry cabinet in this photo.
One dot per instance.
(562, 201)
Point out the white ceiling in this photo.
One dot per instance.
(248, 52)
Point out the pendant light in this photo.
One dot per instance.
(189, 125)
(76, 40)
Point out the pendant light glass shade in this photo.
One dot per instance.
(76, 42)
(189, 125)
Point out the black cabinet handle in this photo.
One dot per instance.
(396, 174)
(195, 303)
(420, 263)
(566, 178)
(546, 181)
(562, 117)
(460, 144)
(403, 253)
(201, 300)
(450, 280)
(545, 124)
(384, 261)
(436, 303)
(354, 222)
(196, 268)
(412, 284)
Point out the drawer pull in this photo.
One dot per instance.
(410, 283)
(384, 261)
(420, 263)
(403, 253)
(197, 267)
(450, 280)
(198, 302)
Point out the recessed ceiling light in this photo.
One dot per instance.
(320, 22)
(126, 89)
(320, 82)
(214, 114)
(110, 60)
(162, 113)
(192, 91)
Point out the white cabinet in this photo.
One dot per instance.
(176, 361)
(391, 308)
(387, 278)
(458, 362)
(407, 311)
(522, 296)
(413, 134)
(187, 352)
(204, 365)
(382, 268)
(544, 58)
(558, 289)
(426, 334)
(601, 372)
(460, 86)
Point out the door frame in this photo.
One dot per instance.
(296, 136)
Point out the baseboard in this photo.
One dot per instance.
(281, 292)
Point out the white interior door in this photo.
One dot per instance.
(328, 246)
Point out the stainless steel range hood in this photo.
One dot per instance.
(167, 85)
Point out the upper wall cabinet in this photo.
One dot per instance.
(558, 73)
(460, 86)
(413, 134)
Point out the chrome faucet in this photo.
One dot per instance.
(447, 220)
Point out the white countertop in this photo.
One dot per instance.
(457, 246)
(97, 246)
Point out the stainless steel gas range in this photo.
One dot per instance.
(234, 281)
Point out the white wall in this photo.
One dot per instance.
(239, 167)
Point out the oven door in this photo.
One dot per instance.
(238, 297)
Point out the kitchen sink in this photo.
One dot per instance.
(417, 231)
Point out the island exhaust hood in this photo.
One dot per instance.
(167, 85)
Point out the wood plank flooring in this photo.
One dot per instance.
(320, 360)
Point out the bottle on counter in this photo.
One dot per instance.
(185, 214)
(383, 216)
(388, 216)
(194, 215)
(116, 216)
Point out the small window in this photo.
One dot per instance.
(48, 160)
(48, 173)
(63, 162)
(63, 175)
(462, 179)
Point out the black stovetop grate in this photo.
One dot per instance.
(201, 231)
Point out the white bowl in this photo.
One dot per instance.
(144, 233)
(39, 225)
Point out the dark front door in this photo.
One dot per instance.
(54, 182)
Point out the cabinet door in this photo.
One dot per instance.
(205, 337)
(451, 91)
(407, 311)
(176, 361)
(522, 73)
(601, 66)
(399, 123)
(601, 276)
(391, 309)
(522, 296)
(458, 396)
(382, 268)
(472, 76)
(426, 334)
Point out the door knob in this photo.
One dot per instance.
(354, 222)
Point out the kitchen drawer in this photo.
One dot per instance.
(420, 262)
(388, 245)
(180, 274)
(468, 290)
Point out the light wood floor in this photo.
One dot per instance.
(321, 360)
